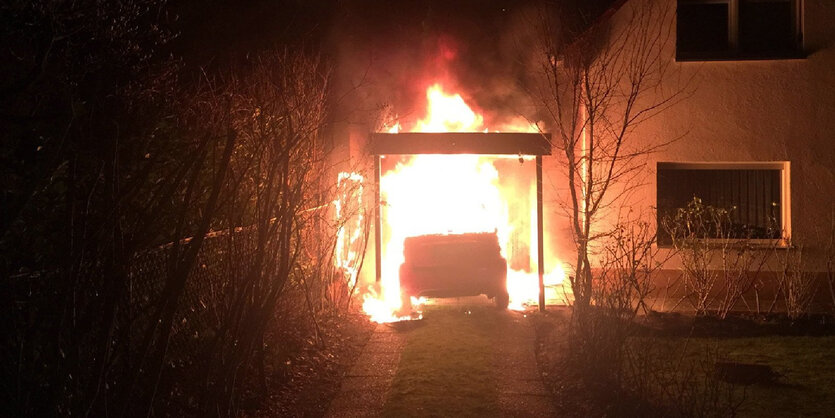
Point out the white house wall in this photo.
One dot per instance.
(756, 111)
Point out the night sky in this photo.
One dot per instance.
(393, 50)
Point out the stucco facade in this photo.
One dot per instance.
(759, 110)
(732, 111)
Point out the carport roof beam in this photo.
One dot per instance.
(487, 143)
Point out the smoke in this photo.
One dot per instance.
(387, 54)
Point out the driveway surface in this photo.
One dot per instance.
(519, 388)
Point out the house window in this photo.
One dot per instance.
(754, 194)
(737, 29)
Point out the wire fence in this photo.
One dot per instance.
(223, 257)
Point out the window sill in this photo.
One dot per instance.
(757, 244)
(776, 56)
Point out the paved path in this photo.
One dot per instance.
(365, 387)
(521, 391)
(520, 388)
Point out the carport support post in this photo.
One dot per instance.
(378, 240)
(540, 252)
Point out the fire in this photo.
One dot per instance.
(431, 194)
(448, 113)
(350, 221)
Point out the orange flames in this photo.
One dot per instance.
(448, 112)
(430, 194)
(350, 220)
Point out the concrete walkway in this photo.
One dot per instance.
(521, 391)
(365, 387)
(520, 388)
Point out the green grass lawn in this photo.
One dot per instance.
(671, 371)
(445, 373)
(446, 368)
(807, 366)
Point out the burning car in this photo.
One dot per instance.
(454, 265)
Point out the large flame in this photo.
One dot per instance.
(448, 113)
(350, 220)
(430, 194)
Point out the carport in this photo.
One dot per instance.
(476, 143)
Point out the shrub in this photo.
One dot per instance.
(720, 261)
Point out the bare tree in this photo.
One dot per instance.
(151, 216)
(86, 87)
(597, 87)
(622, 285)
(279, 109)
(196, 183)
(830, 257)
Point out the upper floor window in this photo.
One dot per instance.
(737, 29)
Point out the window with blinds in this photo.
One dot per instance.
(752, 194)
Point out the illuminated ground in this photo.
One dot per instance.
(465, 358)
